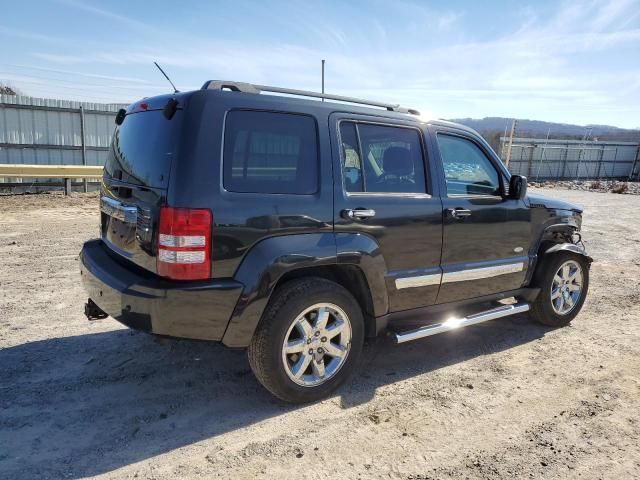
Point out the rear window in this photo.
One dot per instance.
(143, 147)
(267, 152)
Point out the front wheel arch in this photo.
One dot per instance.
(548, 250)
(568, 247)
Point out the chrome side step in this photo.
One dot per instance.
(452, 324)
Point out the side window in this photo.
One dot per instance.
(467, 169)
(267, 152)
(385, 160)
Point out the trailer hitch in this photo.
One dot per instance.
(93, 311)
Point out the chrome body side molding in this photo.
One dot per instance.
(482, 272)
(419, 281)
(458, 275)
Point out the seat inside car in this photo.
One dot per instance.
(397, 163)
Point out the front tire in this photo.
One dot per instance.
(308, 341)
(563, 281)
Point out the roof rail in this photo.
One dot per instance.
(251, 88)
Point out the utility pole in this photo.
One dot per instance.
(513, 131)
(585, 139)
(503, 144)
(84, 146)
(542, 154)
(323, 79)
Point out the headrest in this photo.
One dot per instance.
(397, 161)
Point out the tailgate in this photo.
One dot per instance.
(135, 183)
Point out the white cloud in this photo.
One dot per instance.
(62, 58)
(82, 74)
(27, 35)
(119, 18)
(446, 20)
(532, 65)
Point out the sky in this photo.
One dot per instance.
(562, 61)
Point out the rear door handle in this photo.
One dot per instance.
(358, 213)
(459, 212)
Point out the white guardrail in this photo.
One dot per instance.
(67, 172)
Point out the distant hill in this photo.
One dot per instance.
(538, 128)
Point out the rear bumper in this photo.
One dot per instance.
(141, 300)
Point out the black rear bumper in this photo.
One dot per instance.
(141, 300)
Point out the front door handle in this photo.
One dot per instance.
(458, 213)
(358, 213)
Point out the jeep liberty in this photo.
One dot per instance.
(296, 224)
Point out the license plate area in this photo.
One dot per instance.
(119, 223)
(118, 210)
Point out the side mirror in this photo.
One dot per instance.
(120, 116)
(517, 187)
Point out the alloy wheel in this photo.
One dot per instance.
(317, 344)
(566, 287)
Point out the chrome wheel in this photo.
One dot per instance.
(566, 287)
(317, 344)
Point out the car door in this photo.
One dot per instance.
(383, 189)
(486, 234)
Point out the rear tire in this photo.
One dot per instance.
(563, 280)
(303, 316)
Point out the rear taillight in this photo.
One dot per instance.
(184, 243)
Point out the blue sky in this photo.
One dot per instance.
(575, 62)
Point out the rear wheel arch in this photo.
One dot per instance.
(350, 277)
(275, 260)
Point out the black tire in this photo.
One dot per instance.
(542, 310)
(286, 304)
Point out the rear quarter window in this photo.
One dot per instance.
(269, 152)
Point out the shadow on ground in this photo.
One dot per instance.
(86, 405)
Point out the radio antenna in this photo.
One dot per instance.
(175, 90)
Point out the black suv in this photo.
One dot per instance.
(298, 227)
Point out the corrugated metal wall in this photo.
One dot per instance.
(48, 132)
(541, 159)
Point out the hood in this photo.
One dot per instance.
(536, 200)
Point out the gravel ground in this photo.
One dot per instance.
(505, 399)
(600, 186)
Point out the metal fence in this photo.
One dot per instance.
(39, 131)
(541, 159)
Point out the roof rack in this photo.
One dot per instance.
(252, 88)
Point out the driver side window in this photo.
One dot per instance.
(381, 159)
(467, 170)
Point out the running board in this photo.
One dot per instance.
(454, 323)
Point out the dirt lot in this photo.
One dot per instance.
(506, 399)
